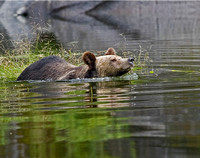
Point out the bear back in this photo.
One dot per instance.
(48, 68)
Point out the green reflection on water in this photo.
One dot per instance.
(55, 130)
(74, 133)
(73, 125)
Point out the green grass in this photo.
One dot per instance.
(142, 61)
(11, 66)
(14, 61)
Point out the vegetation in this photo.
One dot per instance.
(15, 60)
(142, 62)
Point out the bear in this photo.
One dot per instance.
(56, 68)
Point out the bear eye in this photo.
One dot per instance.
(113, 60)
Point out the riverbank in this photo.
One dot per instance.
(14, 61)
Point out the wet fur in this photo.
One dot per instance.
(56, 68)
(52, 68)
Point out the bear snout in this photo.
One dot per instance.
(131, 60)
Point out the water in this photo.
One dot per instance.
(150, 113)
(154, 114)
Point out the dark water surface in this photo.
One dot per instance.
(155, 115)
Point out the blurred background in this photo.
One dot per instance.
(97, 25)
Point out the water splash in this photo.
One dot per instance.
(133, 76)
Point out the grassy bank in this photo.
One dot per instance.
(14, 61)
(12, 65)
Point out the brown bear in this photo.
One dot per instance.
(56, 68)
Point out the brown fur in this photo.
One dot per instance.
(55, 68)
(110, 51)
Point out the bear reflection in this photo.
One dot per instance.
(82, 95)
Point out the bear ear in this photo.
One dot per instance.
(110, 51)
(89, 59)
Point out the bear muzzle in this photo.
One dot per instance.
(131, 60)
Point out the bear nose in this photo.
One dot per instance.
(131, 60)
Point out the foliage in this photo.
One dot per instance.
(15, 60)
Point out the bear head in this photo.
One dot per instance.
(109, 64)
